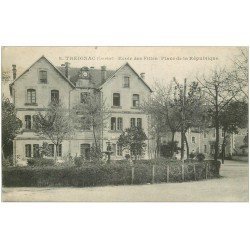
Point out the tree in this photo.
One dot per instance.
(133, 139)
(189, 105)
(240, 70)
(219, 90)
(10, 126)
(91, 114)
(6, 76)
(56, 124)
(233, 117)
(163, 115)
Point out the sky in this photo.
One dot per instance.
(160, 64)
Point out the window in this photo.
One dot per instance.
(193, 139)
(85, 151)
(51, 150)
(27, 122)
(28, 150)
(55, 95)
(84, 97)
(132, 122)
(85, 123)
(139, 122)
(43, 76)
(119, 150)
(126, 83)
(36, 150)
(116, 99)
(135, 100)
(31, 95)
(205, 148)
(119, 123)
(59, 150)
(113, 123)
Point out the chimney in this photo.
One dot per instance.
(67, 69)
(142, 75)
(103, 74)
(14, 71)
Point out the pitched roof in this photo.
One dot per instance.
(95, 75)
(58, 71)
(127, 64)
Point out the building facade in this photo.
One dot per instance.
(122, 90)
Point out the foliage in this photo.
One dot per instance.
(240, 71)
(234, 116)
(219, 90)
(91, 115)
(189, 103)
(56, 124)
(200, 157)
(169, 149)
(163, 115)
(6, 163)
(115, 173)
(40, 162)
(133, 139)
(245, 140)
(192, 155)
(10, 126)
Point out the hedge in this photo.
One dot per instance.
(118, 173)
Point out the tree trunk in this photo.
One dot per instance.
(172, 143)
(223, 149)
(217, 126)
(57, 150)
(187, 146)
(182, 145)
(158, 144)
(3, 152)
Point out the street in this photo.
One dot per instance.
(232, 186)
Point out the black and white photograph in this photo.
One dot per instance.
(128, 124)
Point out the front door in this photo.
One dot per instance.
(85, 151)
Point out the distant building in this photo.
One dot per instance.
(203, 142)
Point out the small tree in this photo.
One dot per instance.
(56, 124)
(133, 139)
(10, 126)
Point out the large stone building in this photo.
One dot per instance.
(123, 90)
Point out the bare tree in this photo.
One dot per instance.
(240, 71)
(189, 103)
(91, 114)
(56, 124)
(163, 115)
(219, 90)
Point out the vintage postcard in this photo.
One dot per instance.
(125, 124)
